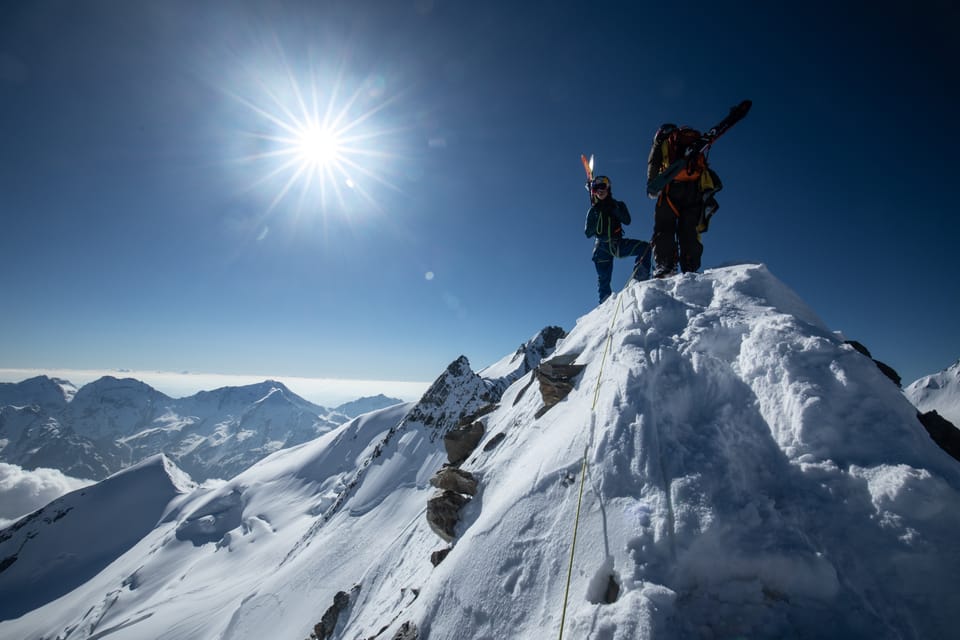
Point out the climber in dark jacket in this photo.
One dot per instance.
(604, 221)
(684, 206)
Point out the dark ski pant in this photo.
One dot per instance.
(604, 251)
(675, 227)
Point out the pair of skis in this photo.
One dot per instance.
(656, 185)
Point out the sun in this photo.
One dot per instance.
(320, 142)
(319, 147)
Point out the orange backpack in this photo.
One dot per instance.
(673, 146)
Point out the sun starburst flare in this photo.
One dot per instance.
(332, 151)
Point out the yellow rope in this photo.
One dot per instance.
(583, 466)
(573, 545)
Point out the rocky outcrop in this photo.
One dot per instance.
(443, 509)
(454, 479)
(443, 513)
(461, 441)
(557, 378)
(407, 631)
(943, 432)
(328, 623)
(438, 556)
(886, 369)
(494, 441)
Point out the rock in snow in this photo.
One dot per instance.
(744, 473)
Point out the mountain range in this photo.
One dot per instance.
(700, 457)
(110, 424)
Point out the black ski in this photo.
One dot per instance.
(737, 113)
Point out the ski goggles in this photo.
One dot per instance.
(601, 186)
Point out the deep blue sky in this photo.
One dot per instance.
(140, 231)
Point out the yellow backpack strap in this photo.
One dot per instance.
(706, 181)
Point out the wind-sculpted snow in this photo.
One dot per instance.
(747, 475)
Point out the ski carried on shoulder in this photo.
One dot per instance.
(737, 113)
(588, 169)
(587, 166)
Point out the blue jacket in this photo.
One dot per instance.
(604, 219)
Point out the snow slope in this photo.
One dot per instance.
(55, 549)
(939, 392)
(745, 474)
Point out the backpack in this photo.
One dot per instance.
(674, 141)
(672, 148)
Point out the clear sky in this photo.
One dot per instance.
(162, 211)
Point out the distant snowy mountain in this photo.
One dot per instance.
(366, 405)
(939, 392)
(112, 423)
(743, 473)
(42, 391)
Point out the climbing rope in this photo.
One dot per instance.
(593, 422)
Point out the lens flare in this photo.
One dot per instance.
(323, 135)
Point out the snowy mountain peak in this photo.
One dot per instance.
(938, 392)
(245, 394)
(43, 391)
(366, 404)
(456, 393)
(112, 406)
(111, 387)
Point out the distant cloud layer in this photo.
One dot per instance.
(23, 491)
(327, 392)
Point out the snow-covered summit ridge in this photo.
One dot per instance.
(747, 475)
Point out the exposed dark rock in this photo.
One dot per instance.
(889, 372)
(943, 432)
(328, 623)
(884, 367)
(494, 441)
(476, 415)
(6, 562)
(461, 442)
(454, 479)
(613, 591)
(557, 377)
(407, 631)
(438, 556)
(859, 347)
(523, 391)
(443, 513)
